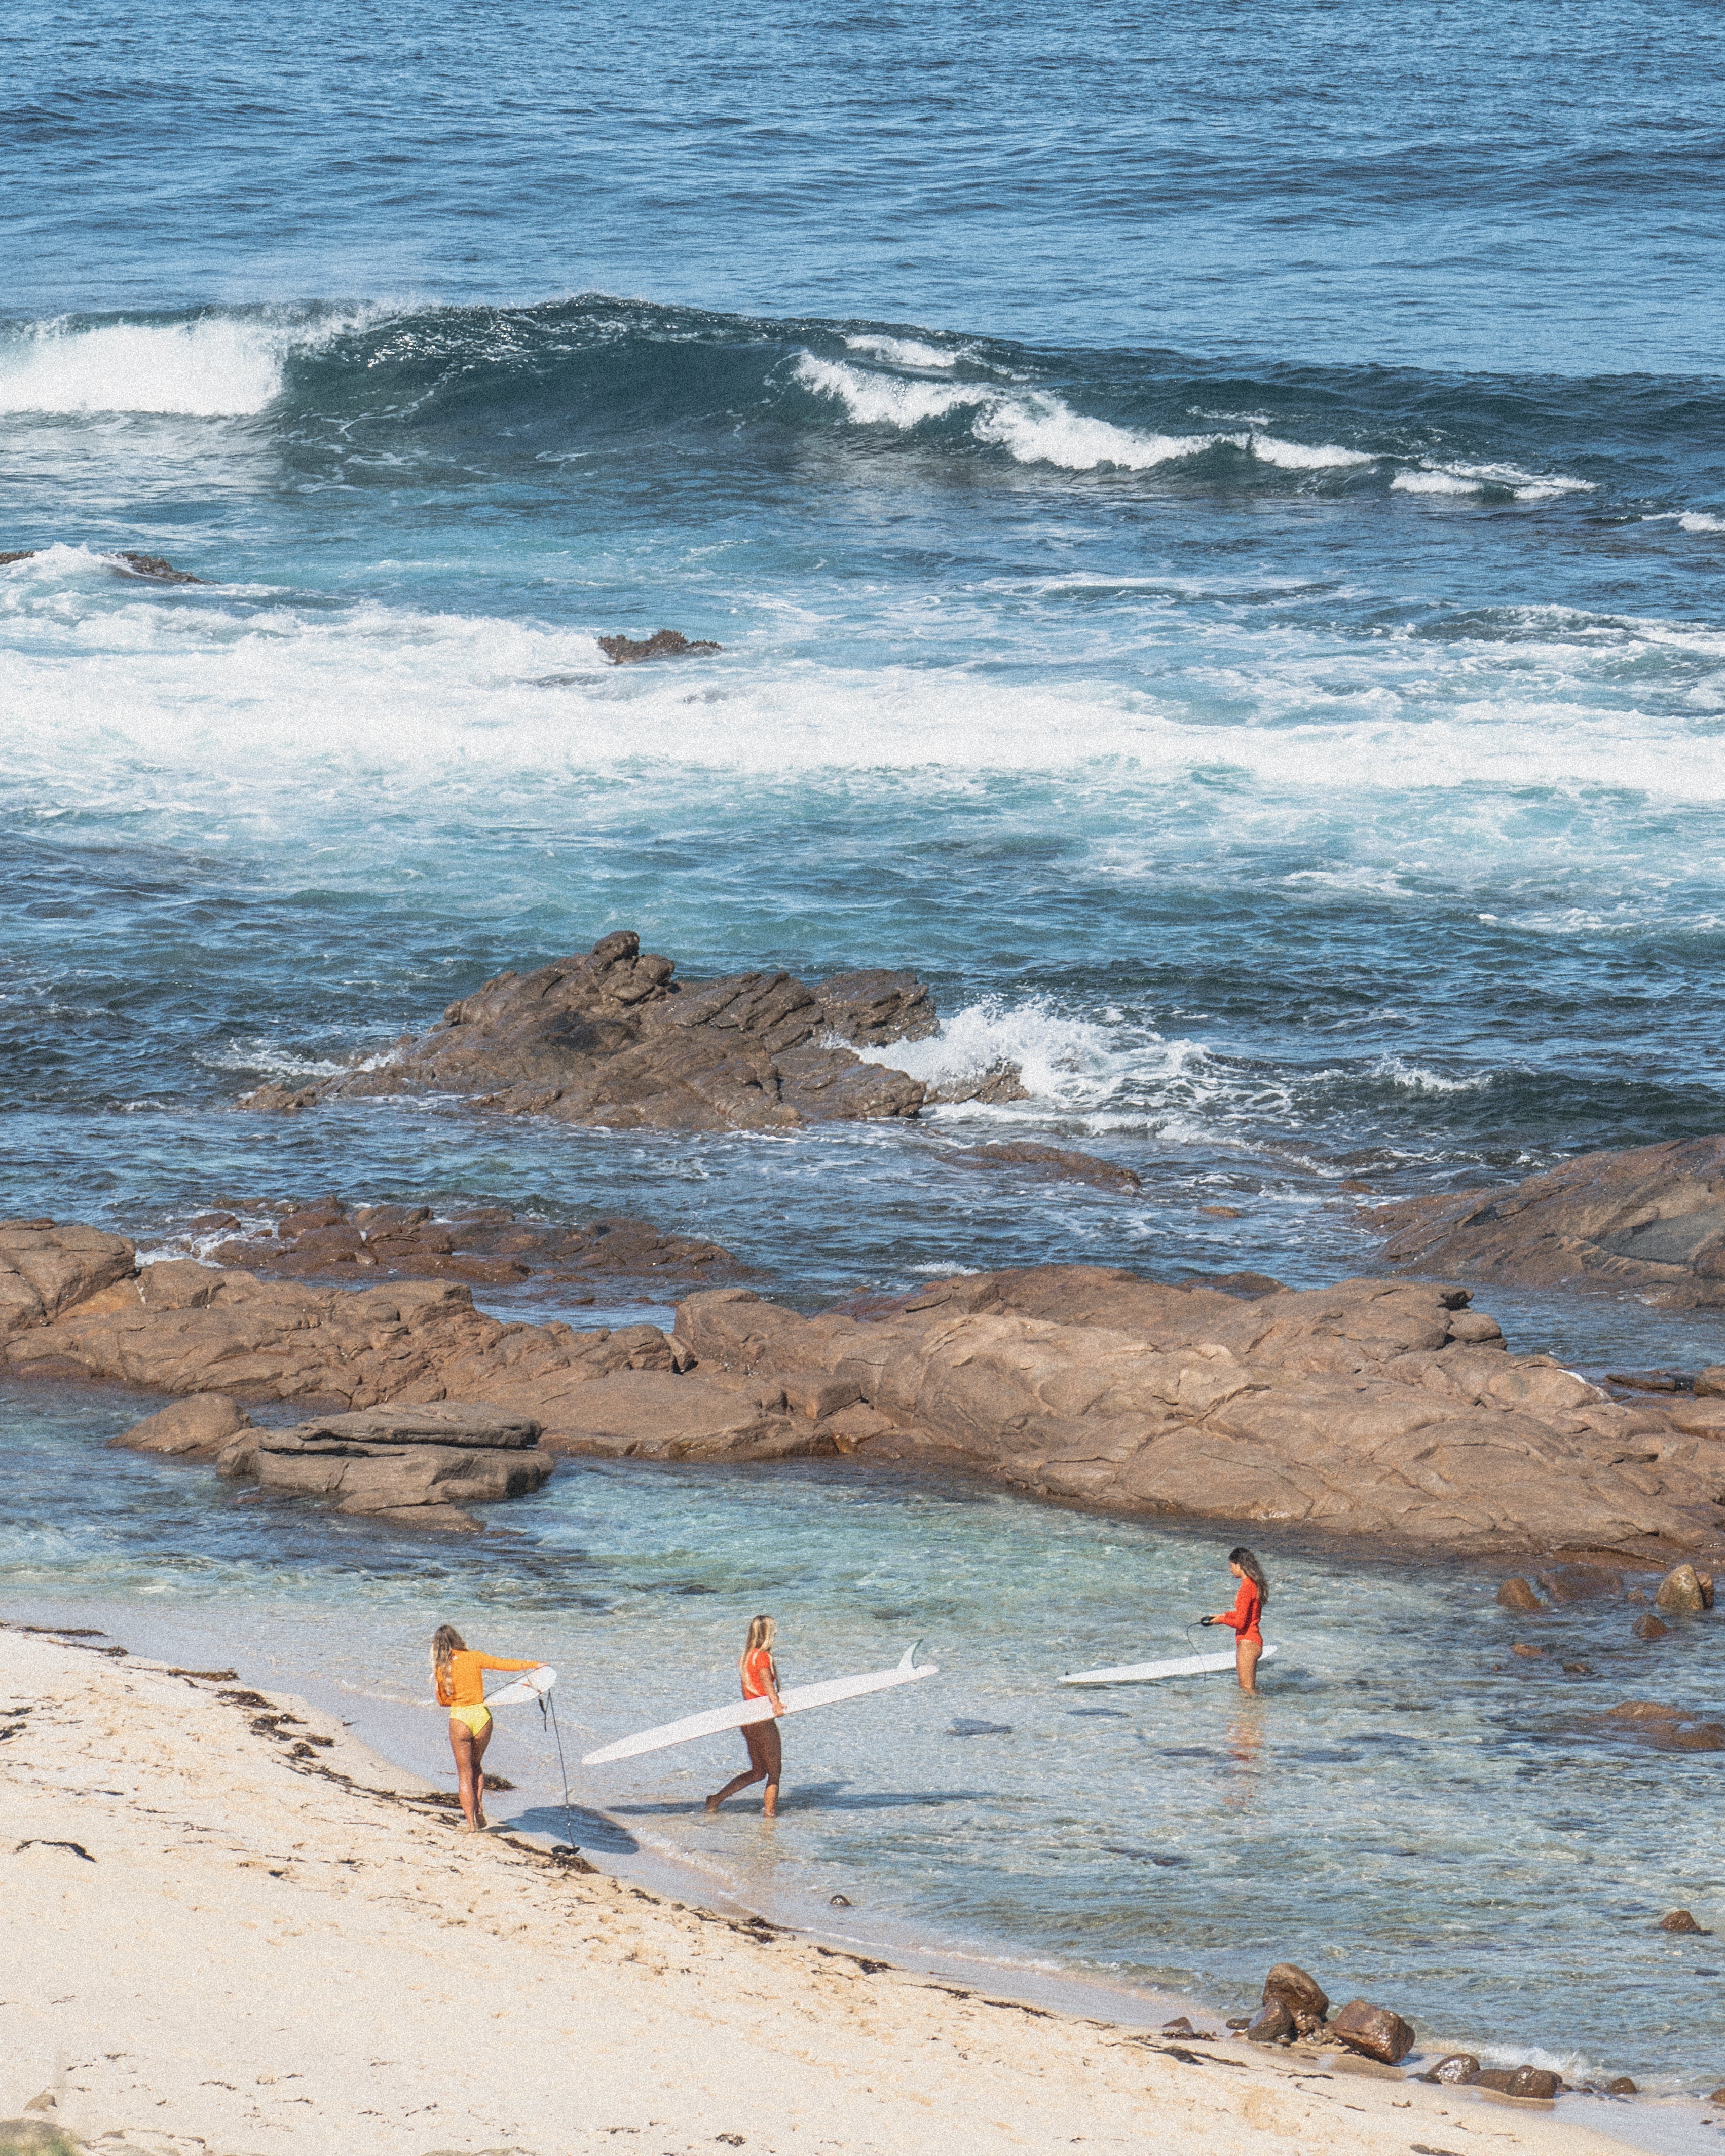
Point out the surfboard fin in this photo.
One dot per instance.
(907, 1660)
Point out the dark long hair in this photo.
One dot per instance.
(1253, 1570)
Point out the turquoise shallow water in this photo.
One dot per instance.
(1407, 1808)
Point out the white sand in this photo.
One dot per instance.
(259, 1958)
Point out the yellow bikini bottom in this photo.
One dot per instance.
(478, 1719)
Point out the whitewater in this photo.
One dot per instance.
(1214, 533)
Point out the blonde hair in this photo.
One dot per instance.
(447, 1642)
(761, 1634)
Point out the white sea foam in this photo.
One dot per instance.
(1688, 520)
(217, 366)
(905, 352)
(1415, 1078)
(1038, 428)
(1065, 1061)
(240, 706)
(1426, 478)
(1306, 456)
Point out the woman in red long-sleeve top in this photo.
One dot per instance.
(1243, 1618)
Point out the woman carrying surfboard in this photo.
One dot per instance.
(1243, 1618)
(459, 1673)
(760, 1681)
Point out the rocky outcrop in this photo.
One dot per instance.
(151, 566)
(663, 644)
(1376, 1407)
(491, 1247)
(1650, 1221)
(609, 1037)
(1385, 1408)
(415, 1467)
(45, 1269)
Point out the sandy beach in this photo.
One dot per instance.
(230, 1932)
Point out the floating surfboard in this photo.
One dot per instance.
(527, 1689)
(1189, 1666)
(797, 1701)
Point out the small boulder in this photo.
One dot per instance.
(1710, 1383)
(1455, 2067)
(1717, 2095)
(1680, 1591)
(1621, 2085)
(1374, 2031)
(1518, 1593)
(1300, 1993)
(1681, 1920)
(1534, 2081)
(1274, 2024)
(196, 1428)
(1522, 1647)
(1649, 1628)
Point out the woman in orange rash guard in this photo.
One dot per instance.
(1243, 1617)
(760, 1681)
(459, 1674)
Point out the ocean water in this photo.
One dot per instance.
(1215, 526)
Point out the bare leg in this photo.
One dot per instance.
(762, 1737)
(469, 1752)
(479, 1742)
(1245, 1661)
(772, 1758)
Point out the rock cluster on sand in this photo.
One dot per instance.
(1651, 1220)
(490, 1247)
(1296, 2008)
(609, 1037)
(1380, 1407)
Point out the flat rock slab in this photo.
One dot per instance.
(1650, 1220)
(444, 1423)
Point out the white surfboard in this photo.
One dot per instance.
(1189, 1666)
(527, 1689)
(797, 1701)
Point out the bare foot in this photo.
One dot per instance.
(712, 1803)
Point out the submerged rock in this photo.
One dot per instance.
(491, 1246)
(1649, 1628)
(663, 644)
(1518, 1594)
(1582, 1583)
(1681, 1920)
(608, 1037)
(1046, 1160)
(1651, 1220)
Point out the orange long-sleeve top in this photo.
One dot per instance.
(463, 1685)
(1243, 1617)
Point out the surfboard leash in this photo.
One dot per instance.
(547, 1712)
